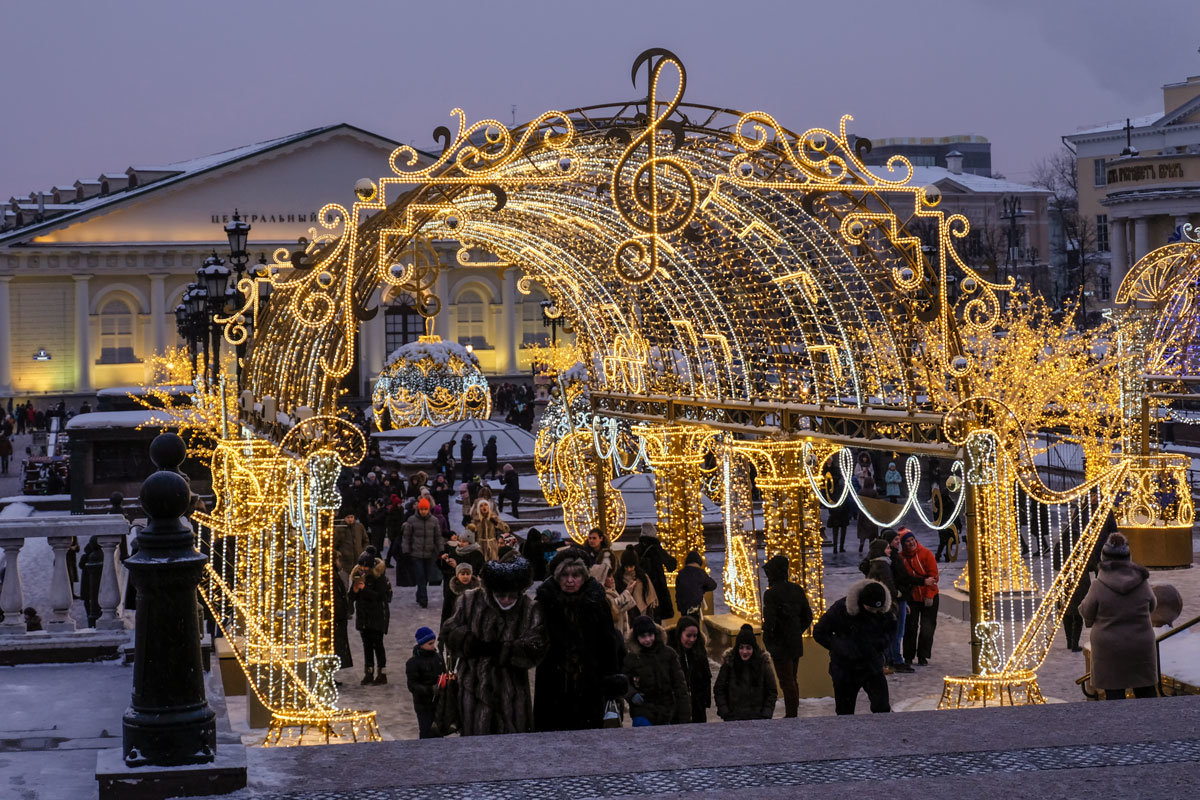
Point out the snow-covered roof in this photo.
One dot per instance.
(1119, 124)
(184, 169)
(116, 419)
(138, 391)
(512, 443)
(923, 176)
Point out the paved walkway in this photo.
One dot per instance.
(1148, 748)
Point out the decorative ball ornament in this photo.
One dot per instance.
(968, 284)
(364, 189)
(952, 483)
(431, 382)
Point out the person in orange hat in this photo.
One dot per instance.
(421, 541)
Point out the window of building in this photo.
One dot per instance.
(471, 308)
(1102, 233)
(1101, 179)
(402, 324)
(533, 332)
(116, 333)
(1105, 287)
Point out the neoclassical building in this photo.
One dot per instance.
(1139, 179)
(91, 270)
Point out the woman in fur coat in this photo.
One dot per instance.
(581, 671)
(488, 528)
(499, 634)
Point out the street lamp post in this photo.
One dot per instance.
(212, 295)
(552, 319)
(1012, 212)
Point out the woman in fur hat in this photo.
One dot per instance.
(581, 671)
(499, 633)
(857, 630)
(745, 687)
(488, 529)
(658, 690)
(1117, 609)
(687, 640)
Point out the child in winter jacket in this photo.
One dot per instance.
(658, 690)
(745, 687)
(423, 671)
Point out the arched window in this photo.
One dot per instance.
(471, 307)
(116, 333)
(402, 323)
(533, 332)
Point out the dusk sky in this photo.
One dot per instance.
(96, 87)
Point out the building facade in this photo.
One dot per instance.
(934, 151)
(91, 271)
(1139, 179)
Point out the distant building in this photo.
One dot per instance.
(1139, 179)
(934, 151)
(91, 271)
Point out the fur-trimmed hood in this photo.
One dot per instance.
(458, 588)
(378, 569)
(631, 639)
(855, 590)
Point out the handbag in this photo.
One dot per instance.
(447, 712)
(612, 714)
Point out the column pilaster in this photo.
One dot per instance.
(1120, 252)
(83, 341)
(1141, 238)
(508, 333)
(158, 310)
(6, 387)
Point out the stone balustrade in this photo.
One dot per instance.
(60, 628)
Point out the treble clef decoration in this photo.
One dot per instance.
(659, 196)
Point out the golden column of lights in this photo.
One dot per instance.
(791, 511)
(676, 453)
(571, 471)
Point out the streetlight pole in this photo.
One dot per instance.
(552, 319)
(1012, 212)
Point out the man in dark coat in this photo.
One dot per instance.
(511, 490)
(490, 455)
(691, 584)
(786, 616)
(745, 687)
(656, 563)
(857, 630)
(421, 538)
(499, 633)
(580, 672)
(467, 461)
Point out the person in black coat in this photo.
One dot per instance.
(422, 672)
(904, 582)
(786, 616)
(511, 490)
(370, 595)
(857, 630)
(745, 687)
(466, 451)
(490, 455)
(691, 584)
(341, 616)
(687, 641)
(656, 562)
(580, 672)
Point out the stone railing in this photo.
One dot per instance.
(58, 530)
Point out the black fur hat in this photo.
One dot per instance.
(567, 554)
(506, 576)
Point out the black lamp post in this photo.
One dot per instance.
(1012, 212)
(215, 294)
(552, 319)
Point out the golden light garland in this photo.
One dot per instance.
(726, 277)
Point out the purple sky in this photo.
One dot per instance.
(96, 87)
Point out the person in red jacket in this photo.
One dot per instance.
(923, 605)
